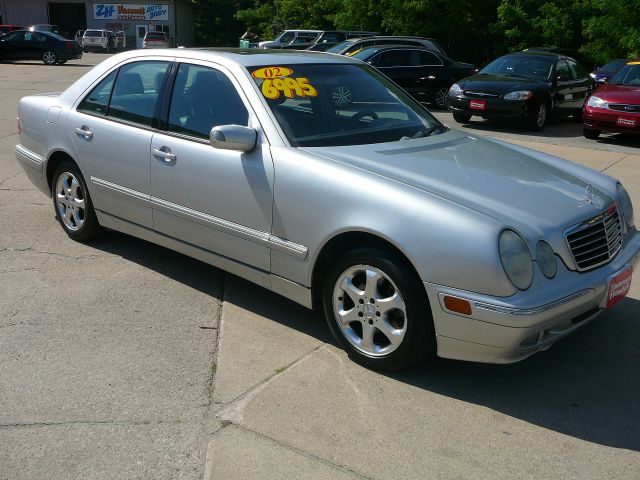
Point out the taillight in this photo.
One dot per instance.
(18, 126)
(69, 44)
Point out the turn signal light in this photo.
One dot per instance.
(457, 305)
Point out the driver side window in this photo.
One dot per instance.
(203, 98)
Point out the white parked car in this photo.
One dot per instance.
(102, 40)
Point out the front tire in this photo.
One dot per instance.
(461, 117)
(538, 118)
(377, 310)
(72, 203)
(590, 133)
(50, 57)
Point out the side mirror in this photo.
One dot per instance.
(233, 137)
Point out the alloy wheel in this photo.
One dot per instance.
(70, 201)
(369, 310)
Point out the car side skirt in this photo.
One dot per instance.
(282, 286)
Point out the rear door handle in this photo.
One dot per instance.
(164, 152)
(84, 132)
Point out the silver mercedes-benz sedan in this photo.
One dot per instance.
(318, 178)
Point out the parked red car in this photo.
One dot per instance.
(615, 106)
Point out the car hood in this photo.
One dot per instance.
(515, 188)
(619, 93)
(499, 84)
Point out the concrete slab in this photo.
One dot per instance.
(461, 420)
(237, 454)
(261, 334)
(104, 451)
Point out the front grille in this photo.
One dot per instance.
(597, 240)
(478, 94)
(620, 107)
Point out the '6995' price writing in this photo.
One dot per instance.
(272, 88)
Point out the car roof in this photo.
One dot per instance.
(385, 48)
(246, 57)
(537, 53)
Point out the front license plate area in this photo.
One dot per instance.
(626, 122)
(619, 286)
(478, 104)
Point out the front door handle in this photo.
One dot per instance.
(165, 153)
(84, 132)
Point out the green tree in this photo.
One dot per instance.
(611, 30)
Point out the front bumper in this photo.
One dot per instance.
(606, 120)
(496, 108)
(506, 330)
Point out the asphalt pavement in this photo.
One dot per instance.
(123, 360)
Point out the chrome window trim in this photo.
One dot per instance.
(257, 236)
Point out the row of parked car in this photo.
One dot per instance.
(529, 86)
(49, 44)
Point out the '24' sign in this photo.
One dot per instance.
(106, 11)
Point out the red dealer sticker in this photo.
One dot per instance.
(478, 104)
(619, 286)
(626, 122)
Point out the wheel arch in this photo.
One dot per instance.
(342, 243)
(56, 158)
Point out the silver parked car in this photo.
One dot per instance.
(316, 177)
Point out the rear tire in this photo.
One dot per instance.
(461, 117)
(50, 57)
(440, 98)
(72, 203)
(377, 310)
(590, 133)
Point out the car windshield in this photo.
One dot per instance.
(525, 66)
(93, 33)
(155, 36)
(628, 75)
(319, 105)
(339, 47)
(613, 66)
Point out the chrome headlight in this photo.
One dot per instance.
(546, 259)
(596, 102)
(519, 95)
(455, 90)
(624, 200)
(516, 259)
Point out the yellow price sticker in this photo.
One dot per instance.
(271, 72)
(273, 88)
(633, 63)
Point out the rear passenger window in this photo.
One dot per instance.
(98, 99)
(203, 98)
(136, 91)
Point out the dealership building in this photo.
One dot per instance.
(174, 17)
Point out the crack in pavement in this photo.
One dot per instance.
(233, 410)
(8, 178)
(90, 422)
(214, 362)
(615, 163)
(342, 468)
